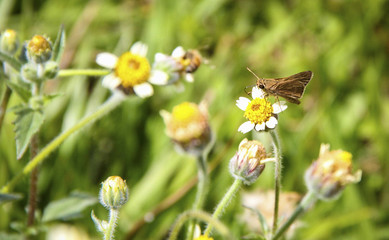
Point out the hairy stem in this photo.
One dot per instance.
(277, 177)
(34, 148)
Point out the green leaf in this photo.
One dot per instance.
(27, 123)
(59, 44)
(69, 207)
(20, 90)
(9, 197)
(13, 62)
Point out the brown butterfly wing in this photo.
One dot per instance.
(291, 88)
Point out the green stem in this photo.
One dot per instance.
(113, 216)
(202, 189)
(85, 72)
(277, 177)
(200, 215)
(224, 203)
(109, 105)
(307, 201)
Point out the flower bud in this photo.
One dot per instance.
(246, 164)
(39, 49)
(113, 192)
(51, 70)
(9, 41)
(188, 127)
(29, 73)
(330, 173)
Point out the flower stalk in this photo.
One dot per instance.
(224, 203)
(83, 72)
(277, 177)
(308, 200)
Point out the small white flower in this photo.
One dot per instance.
(259, 112)
(131, 72)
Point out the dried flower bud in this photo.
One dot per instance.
(246, 164)
(39, 49)
(113, 192)
(330, 173)
(188, 127)
(9, 41)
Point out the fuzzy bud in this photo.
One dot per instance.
(330, 173)
(246, 164)
(39, 49)
(113, 192)
(188, 127)
(9, 41)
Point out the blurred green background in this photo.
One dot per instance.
(344, 42)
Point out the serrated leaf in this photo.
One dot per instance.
(262, 220)
(27, 123)
(69, 207)
(20, 90)
(59, 44)
(13, 62)
(9, 197)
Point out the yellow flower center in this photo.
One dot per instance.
(132, 69)
(39, 44)
(186, 113)
(258, 111)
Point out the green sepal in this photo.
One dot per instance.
(9, 197)
(261, 218)
(12, 61)
(27, 123)
(59, 45)
(21, 90)
(69, 207)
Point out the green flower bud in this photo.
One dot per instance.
(113, 192)
(29, 73)
(246, 164)
(330, 173)
(39, 49)
(51, 70)
(9, 41)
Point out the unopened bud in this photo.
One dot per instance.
(113, 192)
(330, 173)
(9, 41)
(246, 164)
(188, 127)
(39, 49)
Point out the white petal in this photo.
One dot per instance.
(279, 107)
(144, 90)
(246, 127)
(160, 57)
(178, 52)
(139, 48)
(260, 127)
(257, 93)
(272, 122)
(107, 60)
(189, 77)
(242, 103)
(159, 77)
(111, 81)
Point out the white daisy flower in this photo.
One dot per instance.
(131, 71)
(259, 112)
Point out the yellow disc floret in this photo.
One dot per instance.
(258, 111)
(185, 113)
(132, 69)
(39, 45)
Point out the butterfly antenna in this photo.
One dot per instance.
(252, 72)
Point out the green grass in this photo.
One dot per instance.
(345, 44)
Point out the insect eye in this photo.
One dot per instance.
(261, 86)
